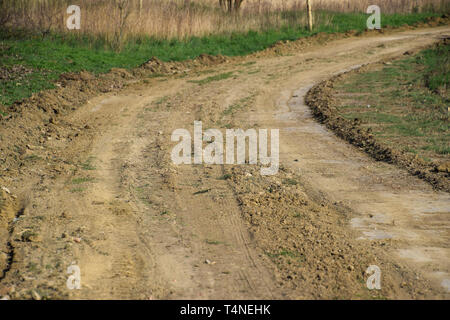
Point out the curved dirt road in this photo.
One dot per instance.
(140, 227)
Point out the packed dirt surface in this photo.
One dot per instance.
(94, 186)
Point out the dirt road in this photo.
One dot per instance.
(139, 226)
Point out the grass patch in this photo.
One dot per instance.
(437, 67)
(225, 177)
(87, 165)
(52, 55)
(232, 109)
(161, 101)
(218, 77)
(291, 255)
(82, 180)
(405, 103)
(236, 106)
(291, 182)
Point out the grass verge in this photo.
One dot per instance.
(405, 103)
(397, 112)
(30, 63)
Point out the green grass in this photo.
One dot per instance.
(291, 182)
(82, 180)
(295, 256)
(231, 109)
(87, 165)
(50, 56)
(241, 103)
(161, 101)
(405, 103)
(437, 67)
(225, 177)
(79, 189)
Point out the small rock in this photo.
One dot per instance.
(35, 295)
(444, 167)
(6, 190)
(76, 239)
(65, 215)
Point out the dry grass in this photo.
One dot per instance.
(181, 18)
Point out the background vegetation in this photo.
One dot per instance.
(36, 47)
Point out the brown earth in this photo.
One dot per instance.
(90, 181)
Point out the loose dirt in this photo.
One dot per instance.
(92, 184)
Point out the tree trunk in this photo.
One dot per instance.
(237, 4)
(310, 18)
(230, 6)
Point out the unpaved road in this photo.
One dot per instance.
(141, 227)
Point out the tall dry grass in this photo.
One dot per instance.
(117, 20)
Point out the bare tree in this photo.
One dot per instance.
(230, 5)
(124, 12)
